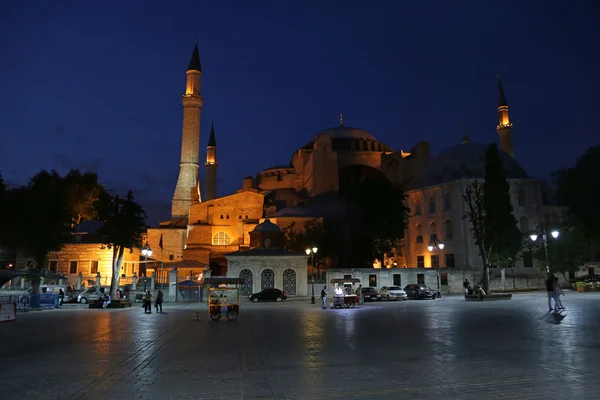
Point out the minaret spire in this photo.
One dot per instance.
(211, 164)
(187, 191)
(504, 127)
(466, 139)
(341, 120)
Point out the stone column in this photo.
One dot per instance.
(134, 282)
(79, 281)
(152, 281)
(503, 276)
(98, 279)
(60, 282)
(172, 296)
(22, 284)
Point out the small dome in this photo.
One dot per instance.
(266, 226)
(465, 161)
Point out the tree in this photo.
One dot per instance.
(124, 222)
(83, 191)
(577, 192)
(36, 220)
(567, 253)
(381, 220)
(493, 225)
(314, 234)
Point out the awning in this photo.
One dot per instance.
(349, 280)
(222, 280)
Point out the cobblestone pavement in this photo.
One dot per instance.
(431, 349)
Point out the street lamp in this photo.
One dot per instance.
(435, 245)
(146, 252)
(554, 234)
(311, 253)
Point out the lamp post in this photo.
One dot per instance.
(311, 253)
(554, 234)
(435, 245)
(146, 252)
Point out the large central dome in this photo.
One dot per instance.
(345, 132)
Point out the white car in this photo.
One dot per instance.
(392, 293)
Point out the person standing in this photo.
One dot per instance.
(148, 302)
(550, 291)
(159, 300)
(359, 294)
(324, 298)
(557, 293)
(61, 296)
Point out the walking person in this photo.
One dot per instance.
(324, 298)
(557, 293)
(61, 296)
(550, 291)
(159, 300)
(148, 302)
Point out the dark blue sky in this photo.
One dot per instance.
(98, 85)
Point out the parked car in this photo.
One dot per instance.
(271, 294)
(370, 294)
(392, 293)
(419, 291)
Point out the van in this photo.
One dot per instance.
(92, 293)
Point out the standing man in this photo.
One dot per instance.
(324, 298)
(557, 293)
(359, 294)
(550, 291)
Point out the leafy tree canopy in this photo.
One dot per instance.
(381, 220)
(314, 234)
(124, 222)
(578, 192)
(83, 191)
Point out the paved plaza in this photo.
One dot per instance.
(432, 349)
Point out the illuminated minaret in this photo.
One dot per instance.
(211, 165)
(504, 127)
(187, 191)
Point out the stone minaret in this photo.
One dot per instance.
(211, 165)
(187, 191)
(504, 127)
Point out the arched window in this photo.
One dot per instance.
(447, 203)
(419, 233)
(448, 233)
(431, 205)
(220, 239)
(524, 224)
(433, 231)
(417, 207)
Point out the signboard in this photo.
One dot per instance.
(8, 312)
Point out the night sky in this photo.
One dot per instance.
(98, 85)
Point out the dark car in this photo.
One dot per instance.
(370, 294)
(419, 291)
(268, 295)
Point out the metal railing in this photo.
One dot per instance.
(26, 302)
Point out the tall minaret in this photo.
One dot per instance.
(504, 127)
(187, 191)
(211, 165)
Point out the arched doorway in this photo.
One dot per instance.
(289, 281)
(267, 279)
(246, 288)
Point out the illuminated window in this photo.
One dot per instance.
(93, 267)
(417, 207)
(420, 261)
(220, 239)
(435, 261)
(448, 233)
(73, 267)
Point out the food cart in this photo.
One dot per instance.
(341, 298)
(223, 298)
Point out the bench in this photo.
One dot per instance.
(489, 297)
(118, 303)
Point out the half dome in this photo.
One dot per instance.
(465, 161)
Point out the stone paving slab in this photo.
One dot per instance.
(441, 349)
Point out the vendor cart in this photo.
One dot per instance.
(224, 301)
(341, 299)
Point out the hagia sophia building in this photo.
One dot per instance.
(203, 229)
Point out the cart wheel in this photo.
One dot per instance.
(351, 305)
(255, 300)
(215, 316)
(279, 299)
(232, 315)
(344, 305)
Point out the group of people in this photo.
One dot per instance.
(148, 302)
(554, 292)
